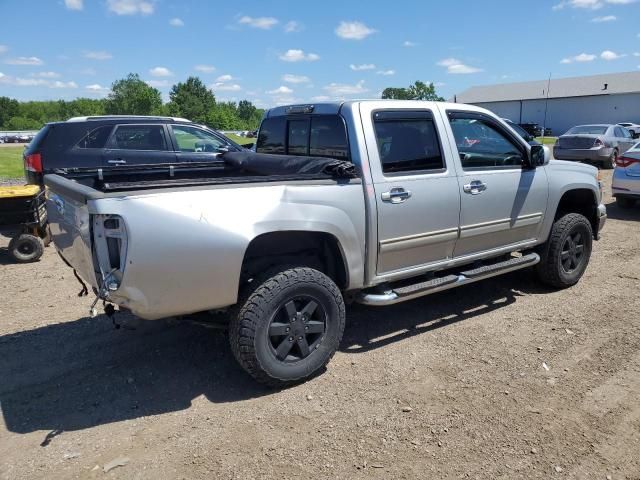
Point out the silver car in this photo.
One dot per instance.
(626, 178)
(596, 144)
(633, 128)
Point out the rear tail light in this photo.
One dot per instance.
(598, 143)
(626, 161)
(33, 162)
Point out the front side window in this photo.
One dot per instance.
(96, 138)
(407, 142)
(140, 137)
(481, 144)
(195, 140)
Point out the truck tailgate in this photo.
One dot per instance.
(70, 224)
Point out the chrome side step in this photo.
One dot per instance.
(402, 294)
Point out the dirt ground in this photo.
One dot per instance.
(501, 379)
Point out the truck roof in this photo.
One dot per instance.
(333, 108)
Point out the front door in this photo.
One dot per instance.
(503, 202)
(416, 189)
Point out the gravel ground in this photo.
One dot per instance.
(501, 379)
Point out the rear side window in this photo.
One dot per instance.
(316, 136)
(407, 142)
(272, 136)
(139, 137)
(96, 138)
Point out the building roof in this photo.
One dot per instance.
(628, 82)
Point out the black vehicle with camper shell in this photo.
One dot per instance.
(120, 141)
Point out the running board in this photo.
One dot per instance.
(402, 294)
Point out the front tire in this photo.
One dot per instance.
(289, 327)
(25, 248)
(566, 254)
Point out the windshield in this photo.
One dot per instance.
(588, 130)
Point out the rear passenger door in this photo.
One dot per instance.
(503, 202)
(416, 188)
(139, 144)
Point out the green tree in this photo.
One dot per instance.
(191, 99)
(132, 96)
(417, 91)
(224, 116)
(22, 123)
(9, 107)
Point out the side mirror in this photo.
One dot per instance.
(538, 156)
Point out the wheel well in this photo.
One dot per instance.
(582, 201)
(317, 250)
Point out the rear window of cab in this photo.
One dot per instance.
(314, 136)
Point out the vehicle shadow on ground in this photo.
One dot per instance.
(614, 212)
(84, 373)
(369, 328)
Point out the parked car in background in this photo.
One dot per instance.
(596, 144)
(530, 139)
(626, 178)
(109, 141)
(634, 129)
(11, 139)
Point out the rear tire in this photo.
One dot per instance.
(25, 248)
(611, 163)
(565, 255)
(289, 326)
(625, 202)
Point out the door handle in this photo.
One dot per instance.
(395, 195)
(117, 161)
(475, 187)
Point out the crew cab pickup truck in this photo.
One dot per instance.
(427, 197)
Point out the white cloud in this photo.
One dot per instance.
(363, 66)
(130, 7)
(636, 54)
(74, 4)
(386, 72)
(280, 91)
(340, 89)
(264, 23)
(455, 66)
(97, 89)
(583, 57)
(59, 84)
(321, 98)
(157, 83)
(3, 49)
(224, 78)
(590, 4)
(292, 26)
(160, 72)
(205, 68)
(289, 78)
(606, 18)
(98, 55)
(88, 71)
(45, 75)
(408, 43)
(226, 87)
(609, 55)
(294, 55)
(35, 82)
(24, 61)
(176, 22)
(353, 30)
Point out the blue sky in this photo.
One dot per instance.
(298, 51)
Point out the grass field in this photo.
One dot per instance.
(11, 162)
(546, 140)
(241, 140)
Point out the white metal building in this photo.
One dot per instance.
(610, 98)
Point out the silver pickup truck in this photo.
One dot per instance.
(442, 195)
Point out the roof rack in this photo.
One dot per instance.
(127, 117)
